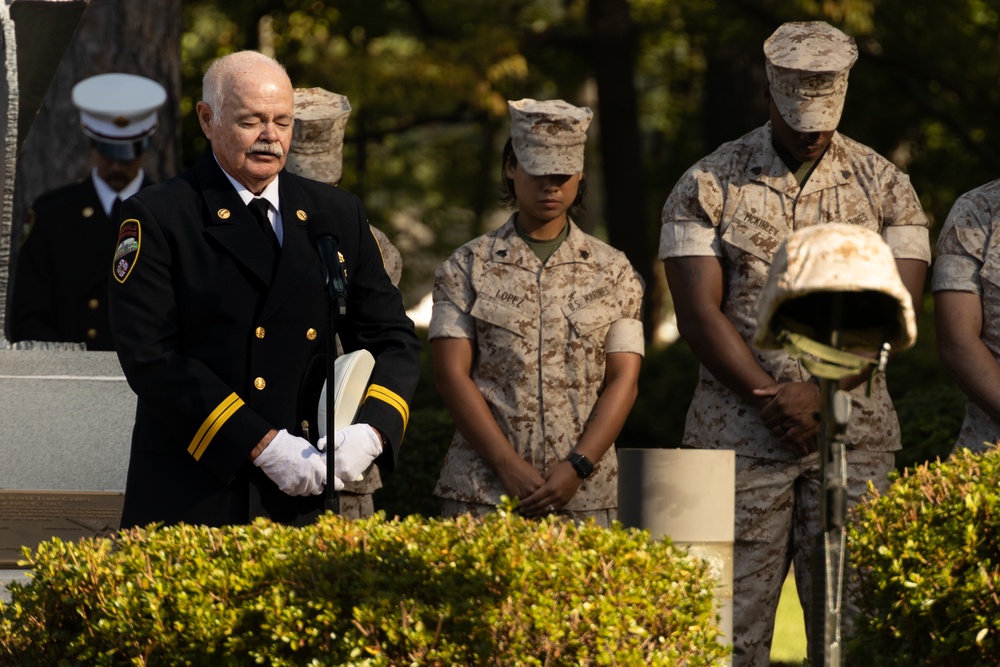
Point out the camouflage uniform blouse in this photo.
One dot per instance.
(738, 204)
(968, 260)
(541, 335)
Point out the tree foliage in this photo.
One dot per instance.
(428, 81)
(428, 84)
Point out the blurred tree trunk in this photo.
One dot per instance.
(113, 36)
(614, 49)
(734, 94)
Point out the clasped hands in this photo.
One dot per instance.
(791, 413)
(299, 469)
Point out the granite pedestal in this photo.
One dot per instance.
(65, 445)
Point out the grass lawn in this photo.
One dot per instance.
(789, 645)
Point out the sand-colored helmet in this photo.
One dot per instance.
(832, 290)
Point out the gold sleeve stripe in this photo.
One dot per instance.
(222, 412)
(392, 398)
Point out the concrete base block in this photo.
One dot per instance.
(687, 495)
(66, 435)
(67, 422)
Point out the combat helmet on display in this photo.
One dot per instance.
(834, 295)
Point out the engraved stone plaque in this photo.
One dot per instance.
(30, 517)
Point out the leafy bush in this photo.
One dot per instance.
(927, 555)
(497, 591)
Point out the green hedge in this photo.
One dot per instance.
(409, 490)
(499, 591)
(927, 555)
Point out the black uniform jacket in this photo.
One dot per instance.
(60, 286)
(216, 348)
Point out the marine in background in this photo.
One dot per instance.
(722, 225)
(317, 152)
(536, 338)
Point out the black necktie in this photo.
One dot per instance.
(116, 206)
(259, 207)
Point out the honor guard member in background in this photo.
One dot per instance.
(536, 337)
(317, 152)
(219, 306)
(722, 224)
(966, 287)
(60, 286)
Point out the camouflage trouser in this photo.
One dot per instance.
(450, 508)
(777, 524)
(356, 505)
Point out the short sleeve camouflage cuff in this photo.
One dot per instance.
(448, 321)
(908, 242)
(957, 273)
(625, 335)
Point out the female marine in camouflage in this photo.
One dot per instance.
(536, 339)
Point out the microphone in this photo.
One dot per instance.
(322, 231)
(321, 228)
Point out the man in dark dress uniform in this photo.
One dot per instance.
(60, 288)
(218, 312)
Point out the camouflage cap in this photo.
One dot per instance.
(317, 149)
(855, 264)
(549, 136)
(807, 66)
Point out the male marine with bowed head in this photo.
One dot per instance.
(722, 225)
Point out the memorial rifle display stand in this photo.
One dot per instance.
(835, 302)
(823, 357)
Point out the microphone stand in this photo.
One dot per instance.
(336, 309)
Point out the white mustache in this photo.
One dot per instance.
(268, 148)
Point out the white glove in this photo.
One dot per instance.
(294, 465)
(354, 449)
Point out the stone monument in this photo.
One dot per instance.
(64, 436)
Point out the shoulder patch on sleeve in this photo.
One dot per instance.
(127, 249)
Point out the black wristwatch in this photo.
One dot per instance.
(584, 467)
